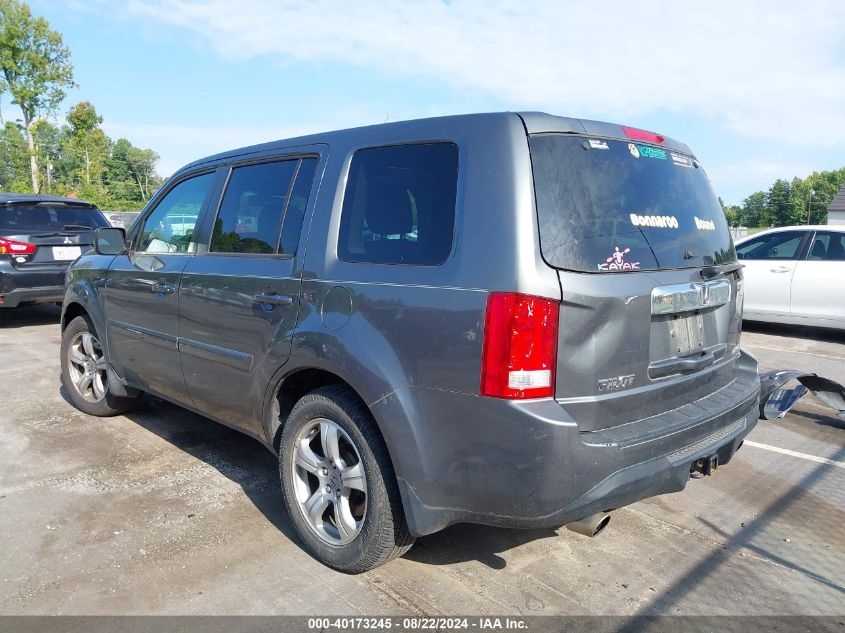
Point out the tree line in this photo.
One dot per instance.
(787, 203)
(77, 157)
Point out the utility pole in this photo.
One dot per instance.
(810, 205)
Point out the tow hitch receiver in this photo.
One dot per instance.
(705, 465)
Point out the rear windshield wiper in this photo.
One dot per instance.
(708, 272)
(77, 227)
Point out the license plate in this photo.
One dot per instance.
(688, 333)
(65, 253)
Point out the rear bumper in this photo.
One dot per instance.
(42, 284)
(526, 464)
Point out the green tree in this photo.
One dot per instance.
(87, 146)
(778, 204)
(754, 210)
(36, 69)
(131, 175)
(14, 158)
(47, 139)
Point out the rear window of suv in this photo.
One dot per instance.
(24, 218)
(614, 206)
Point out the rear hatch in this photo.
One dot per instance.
(651, 292)
(47, 234)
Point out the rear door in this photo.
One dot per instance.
(142, 284)
(238, 302)
(770, 261)
(818, 284)
(651, 290)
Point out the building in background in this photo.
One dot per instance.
(836, 210)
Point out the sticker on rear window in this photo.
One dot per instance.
(634, 151)
(598, 144)
(651, 152)
(704, 225)
(617, 261)
(681, 160)
(656, 221)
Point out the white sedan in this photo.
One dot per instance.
(795, 274)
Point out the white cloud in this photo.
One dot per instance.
(765, 69)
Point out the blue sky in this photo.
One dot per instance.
(756, 88)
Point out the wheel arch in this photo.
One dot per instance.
(71, 311)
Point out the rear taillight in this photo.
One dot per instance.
(520, 346)
(642, 135)
(11, 247)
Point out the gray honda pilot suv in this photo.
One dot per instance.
(520, 320)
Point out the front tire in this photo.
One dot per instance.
(338, 483)
(84, 372)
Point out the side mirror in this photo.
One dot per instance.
(109, 241)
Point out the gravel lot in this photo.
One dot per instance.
(163, 511)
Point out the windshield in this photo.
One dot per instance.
(614, 206)
(24, 218)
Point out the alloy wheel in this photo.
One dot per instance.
(329, 481)
(87, 367)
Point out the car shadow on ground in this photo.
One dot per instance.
(818, 418)
(825, 335)
(246, 462)
(467, 542)
(26, 316)
(236, 456)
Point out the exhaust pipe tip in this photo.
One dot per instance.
(591, 526)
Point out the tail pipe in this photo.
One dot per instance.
(591, 526)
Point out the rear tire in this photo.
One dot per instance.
(84, 372)
(338, 483)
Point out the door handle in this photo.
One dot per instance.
(688, 363)
(780, 269)
(163, 288)
(273, 300)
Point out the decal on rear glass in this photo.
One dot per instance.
(704, 225)
(634, 151)
(598, 144)
(681, 160)
(616, 261)
(656, 221)
(651, 152)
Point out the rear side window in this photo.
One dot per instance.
(780, 245)
(828, 247)
(614, 206)
(250, 216)
(399, 206)
(25, 218)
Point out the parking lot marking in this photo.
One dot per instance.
(794, 351)
(786, 451)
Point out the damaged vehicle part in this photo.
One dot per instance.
(776, 400)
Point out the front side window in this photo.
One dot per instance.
(780, 245)
(250, 216)
(399, 205)
(828, 247)
(170, 227)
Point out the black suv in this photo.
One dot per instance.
(515, 319)
(39, 237)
